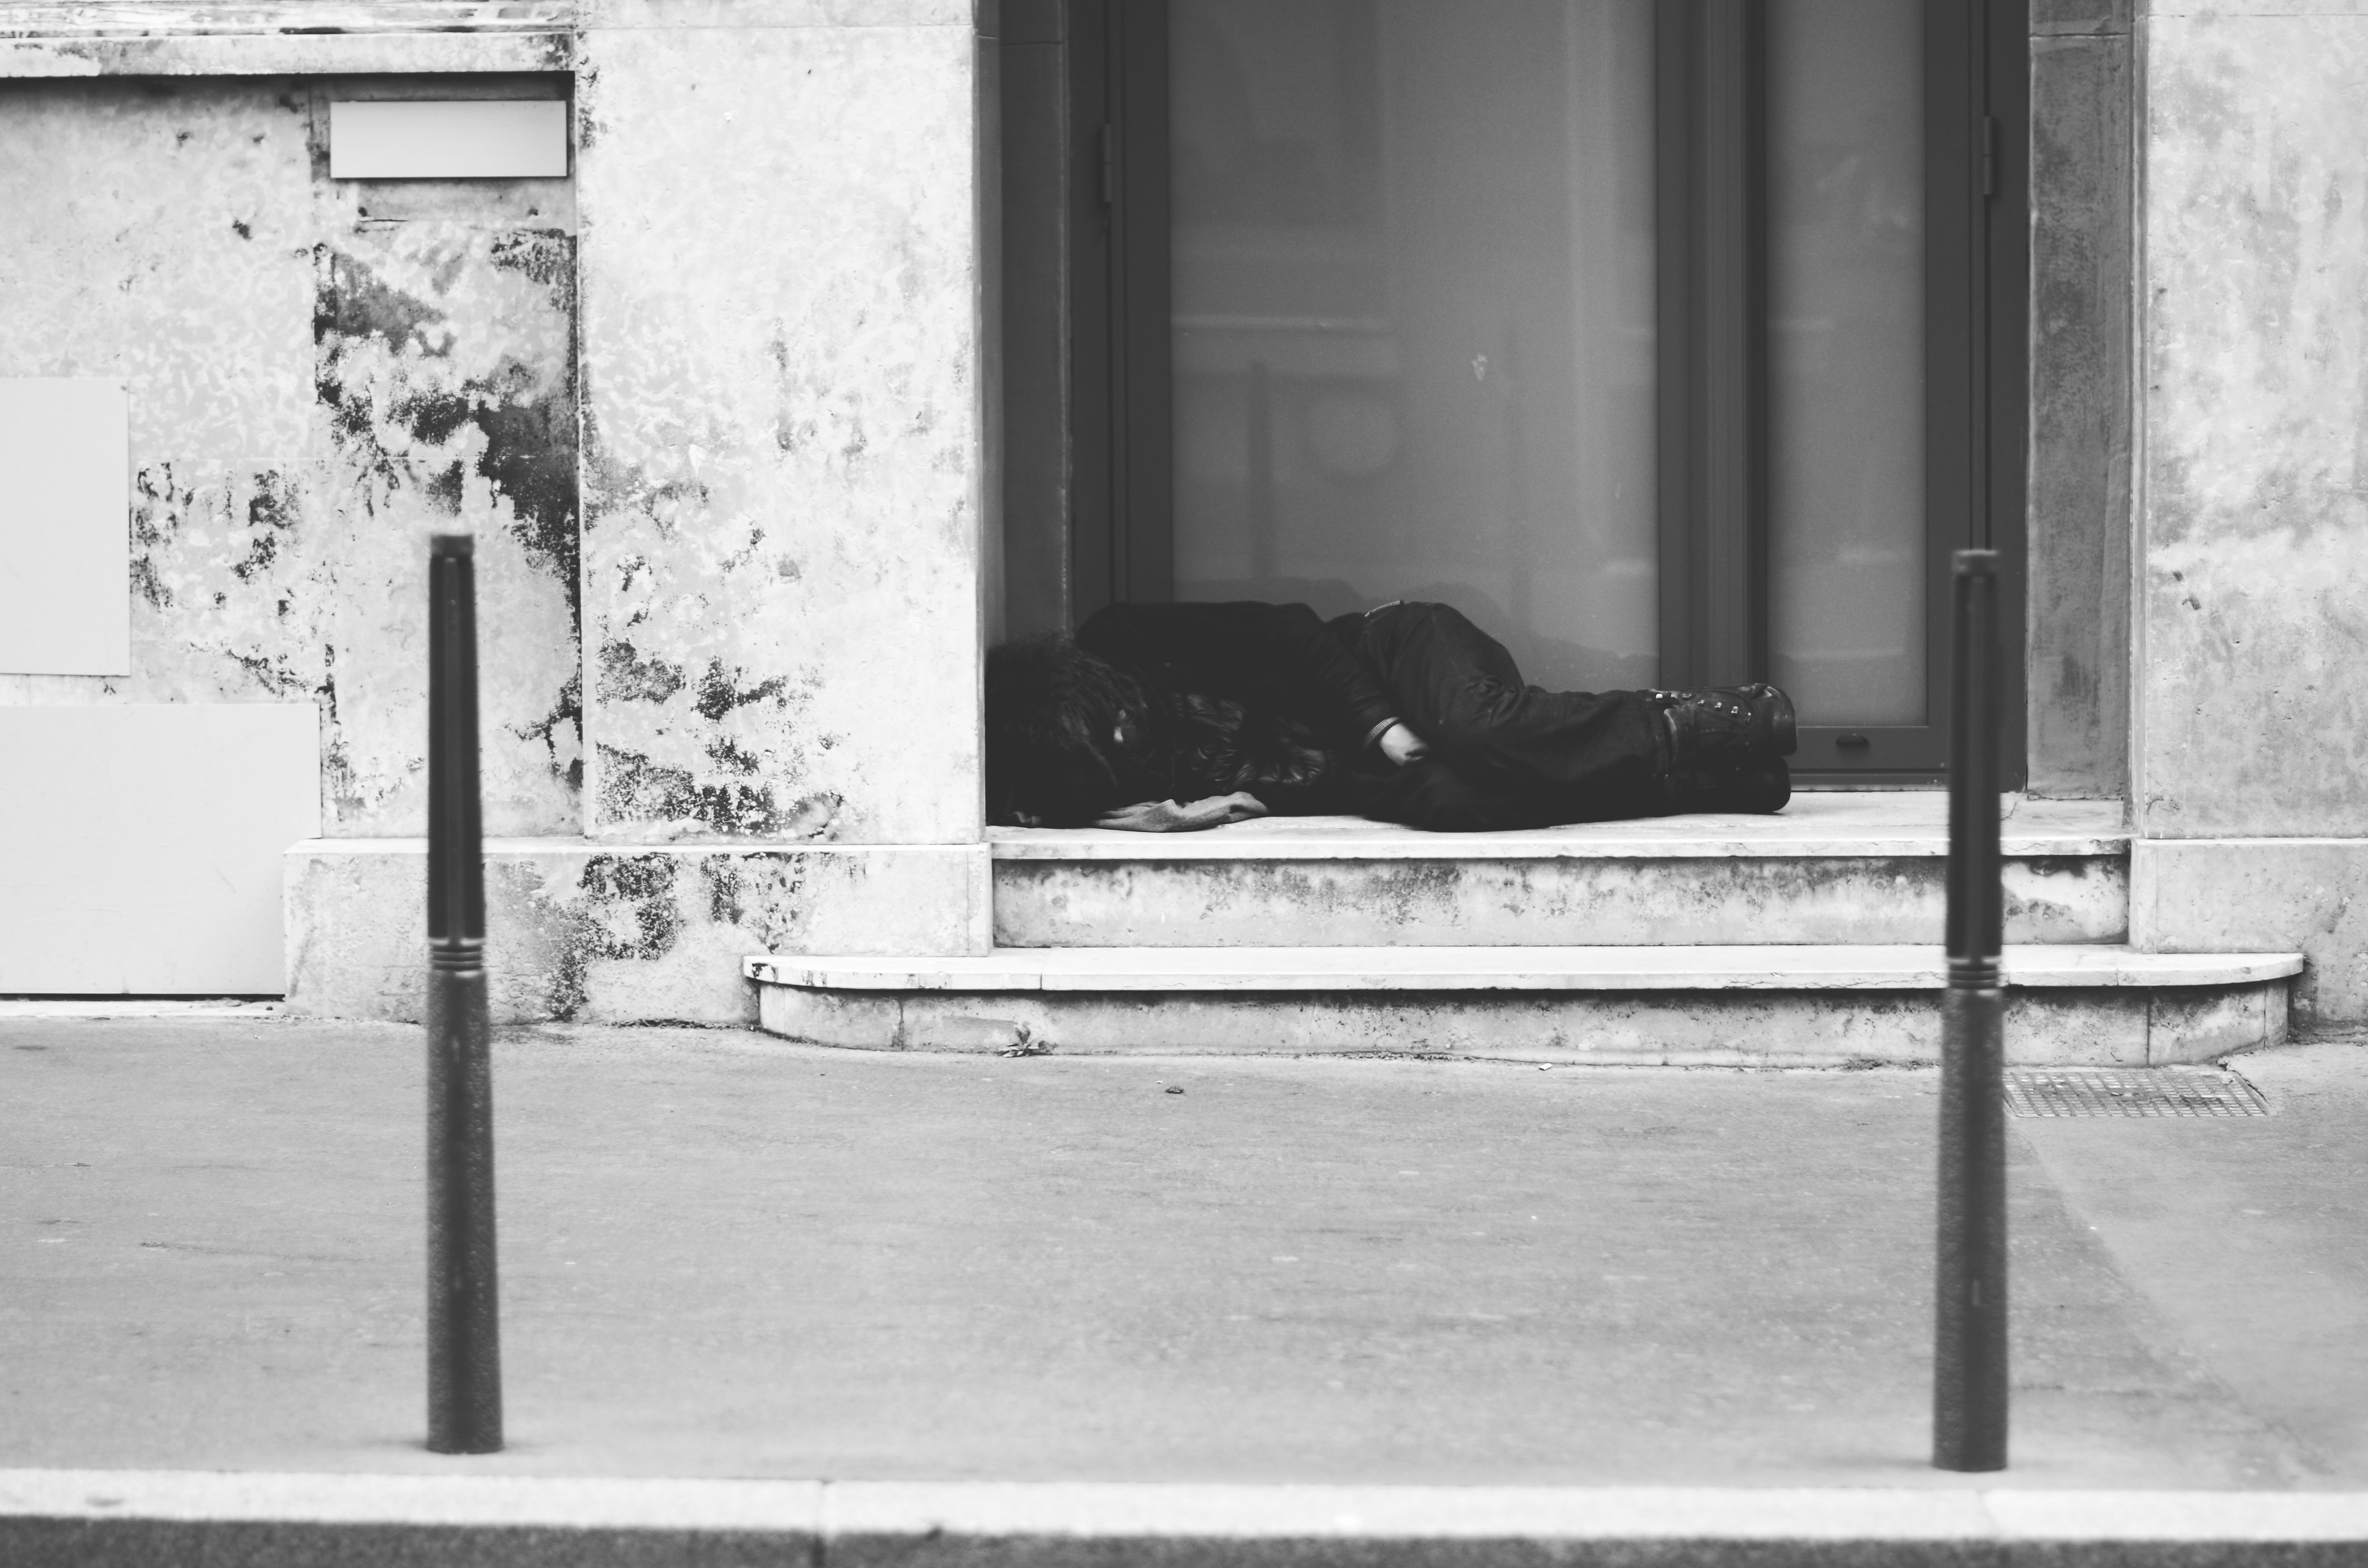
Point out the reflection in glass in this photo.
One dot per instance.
(1845, 358)
(1413, 297)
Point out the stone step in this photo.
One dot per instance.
(1737, 1004)
(1842, 867)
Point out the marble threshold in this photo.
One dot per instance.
(1855, 825)
(1902, 967)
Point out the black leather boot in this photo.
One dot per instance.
(1725, 722)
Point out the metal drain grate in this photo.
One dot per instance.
(2131, 1091)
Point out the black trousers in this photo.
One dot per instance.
(1503, 754)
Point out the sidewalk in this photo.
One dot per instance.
(727, 1257)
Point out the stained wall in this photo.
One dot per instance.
(318, 373)
(722, 442)
(781, 319)
(2251, 733)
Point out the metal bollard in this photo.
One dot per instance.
(464, 1347)
(1969, 1369)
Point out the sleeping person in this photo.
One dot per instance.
(1160, 718)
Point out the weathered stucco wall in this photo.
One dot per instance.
(317, 376)
(2082, 100)
(780, 346)
(620, 934)
(2251, 724)
(2254, 579)
(783, 364)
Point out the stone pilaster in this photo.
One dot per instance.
(2251, 719)
(785, 466)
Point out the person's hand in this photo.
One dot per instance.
(1402, 745)
(1168, 816)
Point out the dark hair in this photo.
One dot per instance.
(1054, 712)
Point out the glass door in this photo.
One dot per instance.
(1677, 342)
(1847, 555)
(1412, 335)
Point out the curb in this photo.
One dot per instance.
(54, 1009)
(148, 1519)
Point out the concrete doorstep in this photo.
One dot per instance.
(100, 1518)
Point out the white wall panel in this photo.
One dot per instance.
(448, 139)
(65, 596)
(141, 847)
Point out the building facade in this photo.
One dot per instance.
(837, 356)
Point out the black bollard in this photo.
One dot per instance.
(1969, 1371)
(464, 1344)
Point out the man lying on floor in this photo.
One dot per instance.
(1165, 717)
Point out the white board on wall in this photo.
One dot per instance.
(141, 847)
(448, 139)
(65, 550)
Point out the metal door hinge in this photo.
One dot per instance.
(1106, 154)
(1989, 155)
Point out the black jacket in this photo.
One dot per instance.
(1264, 682)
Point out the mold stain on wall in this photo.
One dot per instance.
(707, 749)
(445, 391)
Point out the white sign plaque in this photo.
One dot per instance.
(448, 139)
